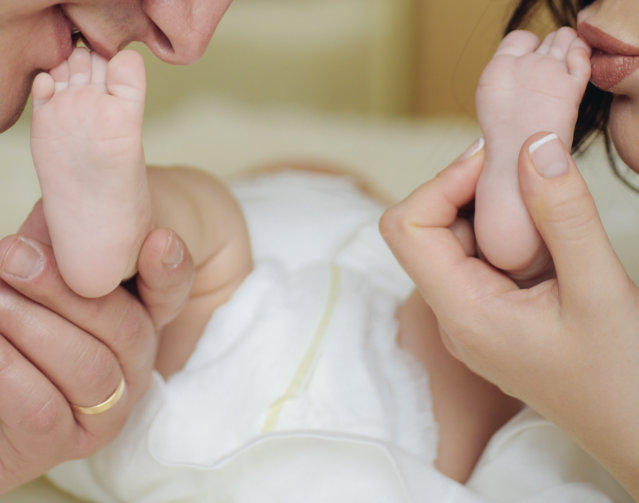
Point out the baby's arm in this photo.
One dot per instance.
(199, 208)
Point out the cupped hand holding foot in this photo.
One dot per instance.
(527, 87)
(64, 354)
(566, 346)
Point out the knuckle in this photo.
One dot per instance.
(42, 417)
(46, 419)
(393, 222)
(97, 368)
(8, 299)
(131, 329)
(574, 216)
(8, 357)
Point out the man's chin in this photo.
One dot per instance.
(7, 123)
(12, 108)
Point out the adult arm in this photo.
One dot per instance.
(568, 346)
(58, 349)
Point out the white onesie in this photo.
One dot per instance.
(297, 391)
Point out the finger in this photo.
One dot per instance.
(437, 202)
(26, 393)
(565, 215)
(165, 276)
(118, 321)
(36, 419)
(90, 371)
(418, 232)
(39, 429)
(464, 232)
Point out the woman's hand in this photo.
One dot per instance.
(59, 351)
(568, 346)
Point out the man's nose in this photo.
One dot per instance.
(187, 27)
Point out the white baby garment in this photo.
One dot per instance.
(297, 391)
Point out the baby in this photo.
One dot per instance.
(527, 87)
(100, 200)
(305, 339)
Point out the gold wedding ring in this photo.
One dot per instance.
(103, 406)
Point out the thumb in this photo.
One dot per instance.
(564, 212)
(165, 275)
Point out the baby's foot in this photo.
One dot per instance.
(86, 142)
(527, 87)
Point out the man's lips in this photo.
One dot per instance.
(612, 60)
(61, 43)
(78, 36)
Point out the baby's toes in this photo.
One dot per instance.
(546, 44)
(79, 67)
(558, 45)
(98, 71)
(126, 77)
(43, 89)
(578, 60)
(60, 75)
(518, 43)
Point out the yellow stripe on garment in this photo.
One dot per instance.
(304, 368)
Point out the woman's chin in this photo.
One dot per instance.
(624, 130)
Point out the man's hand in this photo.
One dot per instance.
(59, 350)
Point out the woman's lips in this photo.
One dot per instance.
(608, 70)
(612, 60)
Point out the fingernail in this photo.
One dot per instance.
(472, 150)
(549, 156)
(173, 252)
(23, 260)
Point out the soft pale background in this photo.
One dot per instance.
(381, 87)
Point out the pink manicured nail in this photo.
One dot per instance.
(549, 156)
(472, 150)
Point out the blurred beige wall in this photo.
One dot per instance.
(352, 56)
(455, 39)
(378, 58)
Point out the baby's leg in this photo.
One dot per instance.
(86, 142)
(526, 88)
(468, 409)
